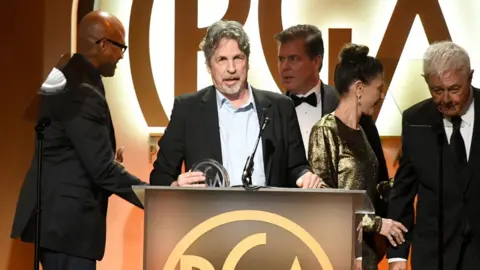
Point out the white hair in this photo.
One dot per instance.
(445, 56)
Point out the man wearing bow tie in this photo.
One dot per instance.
(300, 57)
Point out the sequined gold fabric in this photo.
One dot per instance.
(343, 158)
(368, 221)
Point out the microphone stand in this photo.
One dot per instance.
(438, 129)
(54, 84)
(39, 129)
(248, 169)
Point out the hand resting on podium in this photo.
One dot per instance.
(310, 180)
(190, 179)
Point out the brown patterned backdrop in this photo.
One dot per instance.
(37, 32)
(188, 36)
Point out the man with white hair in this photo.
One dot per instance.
(441, 148)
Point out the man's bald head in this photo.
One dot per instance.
(101, 38)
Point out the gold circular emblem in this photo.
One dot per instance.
(189, 261)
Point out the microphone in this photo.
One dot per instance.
(436, 127)
(248, 169)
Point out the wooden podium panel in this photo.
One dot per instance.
(231, 228)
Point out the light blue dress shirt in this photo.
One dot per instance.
(238, 133)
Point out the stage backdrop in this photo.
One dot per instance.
(163, 61)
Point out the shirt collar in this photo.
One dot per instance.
(467, 118)
(222, 100)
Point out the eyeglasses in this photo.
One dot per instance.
(118, 44)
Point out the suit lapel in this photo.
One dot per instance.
(322, 97)
(261, 103)
(474, 156)
(212, 130)
(111, 130)
(91, 76)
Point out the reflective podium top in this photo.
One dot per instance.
(362, 203)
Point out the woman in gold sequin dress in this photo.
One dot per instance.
(339, 151)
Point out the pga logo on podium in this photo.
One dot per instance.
(190, 262)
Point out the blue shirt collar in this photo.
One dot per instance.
(222, 100)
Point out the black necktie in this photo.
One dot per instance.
(458, 146)
(310, 99)
(456, 141)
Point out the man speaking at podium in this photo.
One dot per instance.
(79, 167)
(222, 122)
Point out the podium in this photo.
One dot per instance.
(233, 229)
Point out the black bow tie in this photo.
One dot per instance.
(310, 99)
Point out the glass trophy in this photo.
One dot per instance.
(215, 174)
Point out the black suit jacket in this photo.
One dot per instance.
(418, 174)
(79, 171)
(193, 134)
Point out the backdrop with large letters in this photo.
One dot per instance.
(164, 61)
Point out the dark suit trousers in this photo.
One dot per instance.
(52, 260)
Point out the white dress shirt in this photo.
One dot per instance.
(466, 129)
(308, 115)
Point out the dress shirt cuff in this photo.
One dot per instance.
(358, 259)
(304, 171)
(391, 260)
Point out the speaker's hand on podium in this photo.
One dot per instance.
(190, 179)
(310, 180)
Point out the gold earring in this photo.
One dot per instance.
(358, 101)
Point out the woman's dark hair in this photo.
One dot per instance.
(355, 64)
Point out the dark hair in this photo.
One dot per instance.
(310, 33)
(224, 29)
(355, 64)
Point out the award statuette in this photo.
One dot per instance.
(215, 174)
